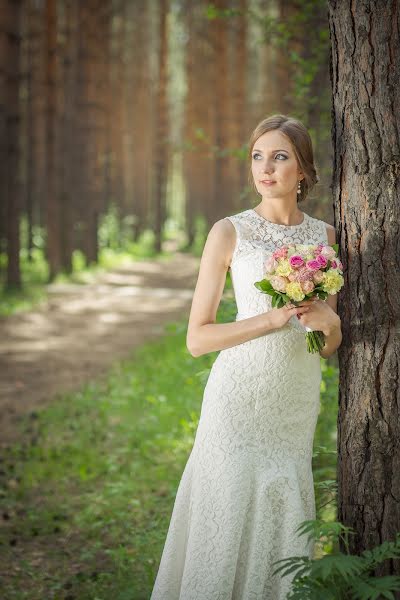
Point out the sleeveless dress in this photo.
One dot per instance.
(248, 481)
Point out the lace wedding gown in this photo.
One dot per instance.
(248, 481)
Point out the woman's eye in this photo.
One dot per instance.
(279, 154)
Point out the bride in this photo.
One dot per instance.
(248, 483)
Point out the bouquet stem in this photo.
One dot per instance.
(315, 341)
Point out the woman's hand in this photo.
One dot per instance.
(320, 316)
(280, 316)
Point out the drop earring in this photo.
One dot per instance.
(298, 187)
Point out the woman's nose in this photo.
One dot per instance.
(267, 169)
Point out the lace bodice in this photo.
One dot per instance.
(256, 239)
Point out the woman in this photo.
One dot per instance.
(248, 482)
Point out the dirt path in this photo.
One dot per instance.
(82, 329)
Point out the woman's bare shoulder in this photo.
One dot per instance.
(222, 236)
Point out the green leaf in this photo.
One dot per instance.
(382, 552)
(346, 566)
(292, 563)
(264, 285)
(374, 588)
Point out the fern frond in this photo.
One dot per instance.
(375, 588)
(318, 528)
(291, 564)
(342, 566)
(382, 552)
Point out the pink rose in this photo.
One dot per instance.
(318, 249)
(303, 274)
(328, 252)
(307, 286)
(334, 264)
(313, 265)
(321, 260)
(318, 276)
(296, 261)
(280, 253)
(278, 283)
(270, 264)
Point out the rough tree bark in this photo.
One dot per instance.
(365, 71)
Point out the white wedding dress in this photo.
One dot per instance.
(248, 480)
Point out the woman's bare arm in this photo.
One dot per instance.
(204, 335)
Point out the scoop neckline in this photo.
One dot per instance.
(279, 224)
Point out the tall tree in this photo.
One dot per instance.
(118, 108)
(138, 73)
(53, 219)
(238, 88)
(222, 110)
(365, 71)
(69, 166)
(161, 130)
(199, 122)
(10, 117)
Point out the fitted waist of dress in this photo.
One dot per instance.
(291, 324)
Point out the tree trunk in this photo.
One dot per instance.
(140, 112)
(222, 113)
(161, 132)
(365, 71)
(10, 44)
(239, 101)
(52, 191)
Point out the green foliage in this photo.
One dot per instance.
(212, 12)
(339, 576)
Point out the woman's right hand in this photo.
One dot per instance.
(280, 316)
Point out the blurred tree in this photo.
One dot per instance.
(118, 108)
(131, 104)
(161, 146)
(10, 119)
(53, 210)
(238, 94)
(140, 104)
(197, 131)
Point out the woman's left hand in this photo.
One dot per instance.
(319, 317)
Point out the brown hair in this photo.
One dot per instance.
(302, 146)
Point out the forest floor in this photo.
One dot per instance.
(82, 329)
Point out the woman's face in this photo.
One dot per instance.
(273, 159)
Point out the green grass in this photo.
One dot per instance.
(89, 493)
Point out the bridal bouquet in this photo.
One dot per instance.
(302, 271)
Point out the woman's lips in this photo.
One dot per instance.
(267, 182)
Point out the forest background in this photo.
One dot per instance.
(124, 128)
